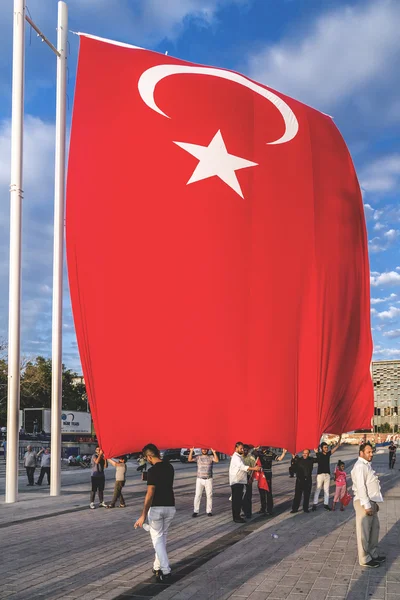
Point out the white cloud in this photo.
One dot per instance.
(340, 55)
(380, 300)
(381, 175)
(375, 245)
(37, 237)
(369, 211)
(378, 226)
(387, 352)
(392, 313)
(391, 235)
(380, 244)
(394, 333)
(387, 278)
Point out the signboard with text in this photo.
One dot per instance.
(76, 422)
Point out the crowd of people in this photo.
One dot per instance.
(31, 461)
(247, 464)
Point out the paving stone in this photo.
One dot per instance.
(313, 559)
(323, 583)
(317, 594)
(376, 593)
(338, 590)
(257, 595)
(280, 592)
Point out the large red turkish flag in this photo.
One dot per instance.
(217, 258)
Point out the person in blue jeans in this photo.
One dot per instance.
(158, 508)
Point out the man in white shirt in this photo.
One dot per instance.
(204, 480)
(44, 465)
(237, 480)
(30, 464)
(367, 497)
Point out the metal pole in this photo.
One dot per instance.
(58, 260)
(14, 331)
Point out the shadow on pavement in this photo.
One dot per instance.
(264, 553)
(259, 551)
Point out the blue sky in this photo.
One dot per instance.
(340, 57)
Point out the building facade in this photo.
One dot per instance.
(386, 378)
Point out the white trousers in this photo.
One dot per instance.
(202, 484)
(160, 518)
(367, 530)
(323, 481)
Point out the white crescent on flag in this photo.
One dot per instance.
(149, 79)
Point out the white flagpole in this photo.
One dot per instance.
(58, 259)
(14, 326)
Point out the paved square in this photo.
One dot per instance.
(59, 548)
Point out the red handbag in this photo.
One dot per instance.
(346, 499)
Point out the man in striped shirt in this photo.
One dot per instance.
(204, 480)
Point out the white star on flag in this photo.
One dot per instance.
(214, 160)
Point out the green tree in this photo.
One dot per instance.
(385, 428)
(36, 386)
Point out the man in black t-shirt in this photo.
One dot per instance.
(324, 473)
(159, 507)
(303, 467)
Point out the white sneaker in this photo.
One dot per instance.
(92, 505)
(103, 504)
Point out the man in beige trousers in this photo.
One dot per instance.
(367, 497)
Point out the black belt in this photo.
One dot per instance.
(205, 477)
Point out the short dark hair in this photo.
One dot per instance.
(324, 444)
(340, 463)
(239, 444)
(363, 446)
(152, 450)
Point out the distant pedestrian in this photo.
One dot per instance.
(324, 473)
(142, 463)
(392, 455)
(35, 427)
(4, 444)
(367, 497)
(98, 464)
(237, 480)
(341, 484)
(30, 459)
(247, 504)
(204, 480)
(120, 479)
(159, 508)
(44, 465)
(303, 467)
(267, 457)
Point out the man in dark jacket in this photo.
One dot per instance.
(292, 465)
(303, 467)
